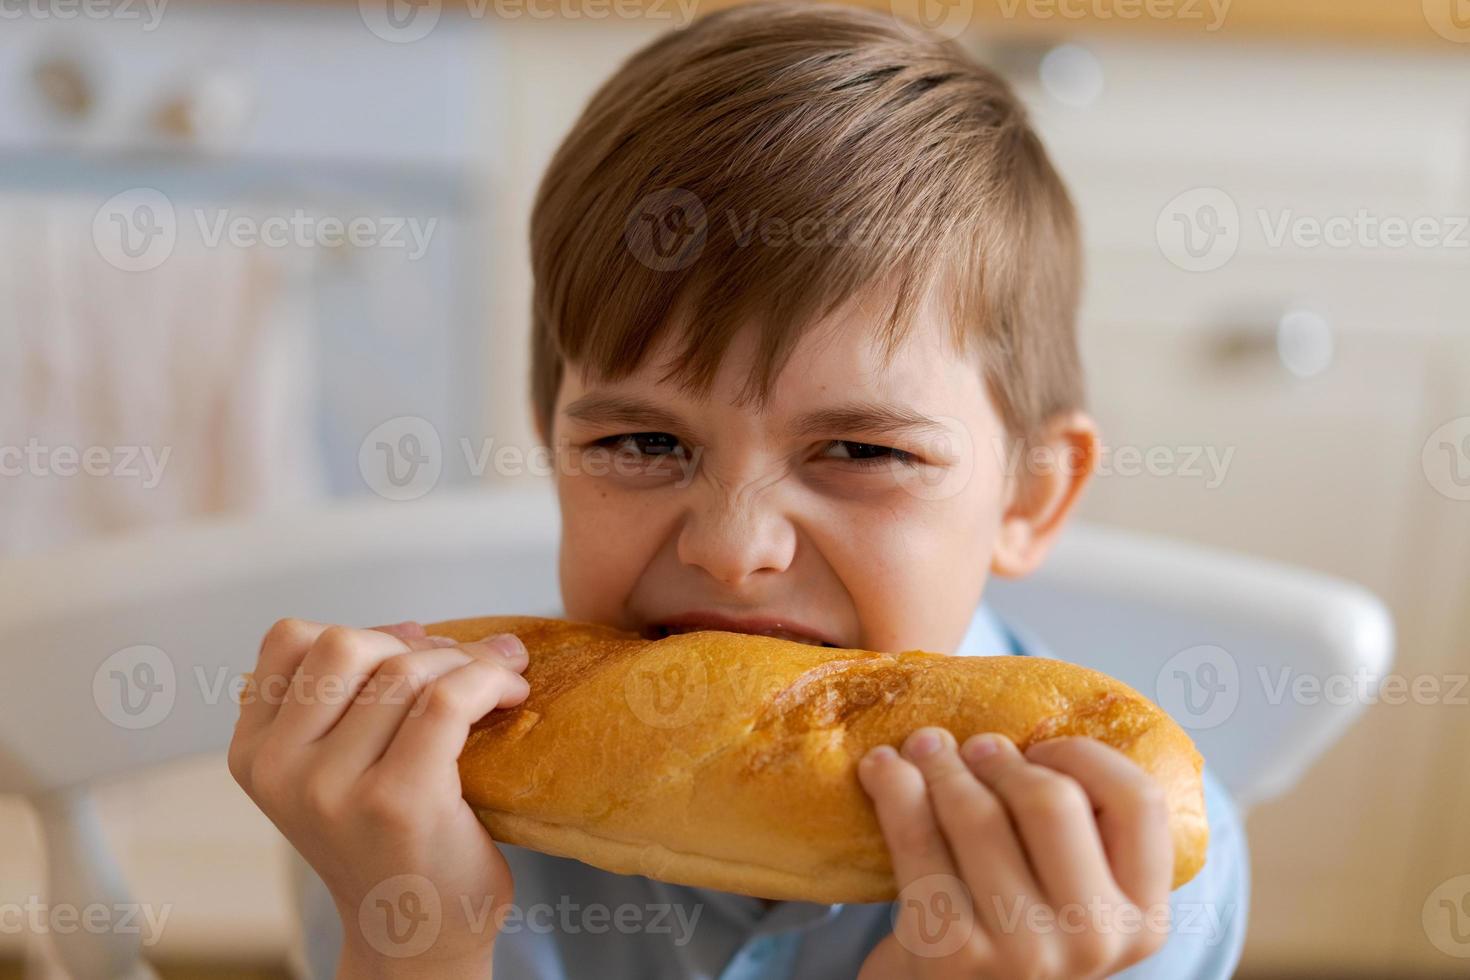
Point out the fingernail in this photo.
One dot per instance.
(442, 641)
(879, 754)
(507, 646)
(512, 646)
(980, 746)
(923, 743)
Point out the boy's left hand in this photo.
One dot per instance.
(1052, 863)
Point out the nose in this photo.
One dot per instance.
(734, 538)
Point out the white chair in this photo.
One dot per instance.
(120, 651)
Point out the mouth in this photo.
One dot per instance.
(778, 630)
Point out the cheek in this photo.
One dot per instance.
(602, 548)
(919, 543)
(917, 569)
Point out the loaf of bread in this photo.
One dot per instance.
(729, 761)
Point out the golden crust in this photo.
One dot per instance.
(728, 761)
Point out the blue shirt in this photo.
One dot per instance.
(576, 921)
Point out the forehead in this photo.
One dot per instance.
(839, 357)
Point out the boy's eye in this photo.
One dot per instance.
(643, 443)
(868, 454)
(654, 444)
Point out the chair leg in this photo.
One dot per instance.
(83, 879)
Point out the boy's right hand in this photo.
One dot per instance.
(348, 740)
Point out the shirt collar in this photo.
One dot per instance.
(986, 636)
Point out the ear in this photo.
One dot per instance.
(1043, 491)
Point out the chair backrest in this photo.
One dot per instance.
(121, 652)
(1265, 665)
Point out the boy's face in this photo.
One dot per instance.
(760, 517)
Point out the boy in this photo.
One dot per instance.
(805, 288)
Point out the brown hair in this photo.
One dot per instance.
(911, 166)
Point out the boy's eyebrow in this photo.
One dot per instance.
(878, 418)
(857, 416)
(595, 409)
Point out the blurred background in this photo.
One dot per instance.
(245, 241)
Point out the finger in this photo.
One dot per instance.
(910, 828)
(282, 649)
(425, 751)
(1053, 815)
(336, 667)
(367, 729)
(978, 830)
(930, 890)
(1132, 813)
